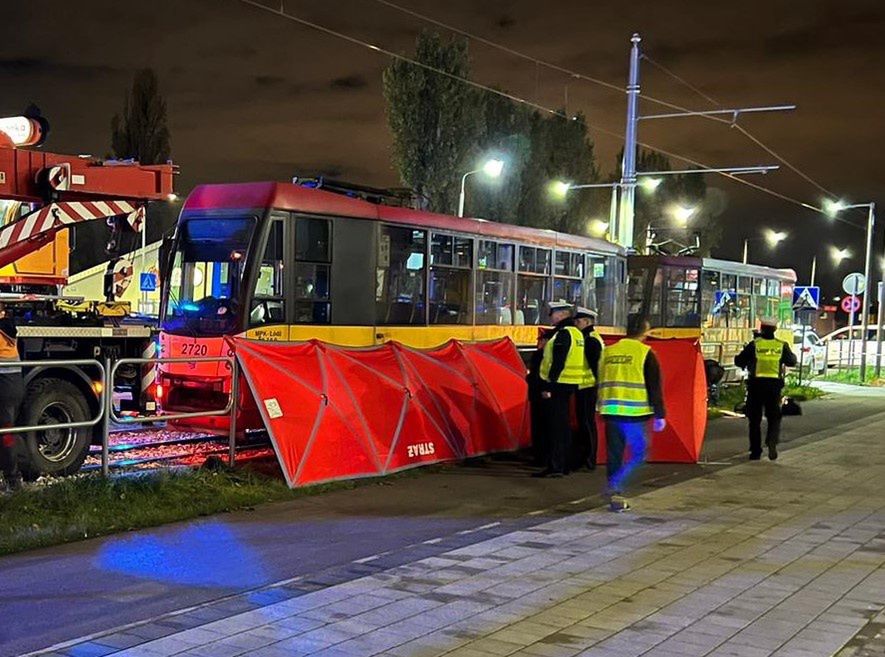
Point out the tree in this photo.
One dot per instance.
(561, 150)
(655, 208)
(141, 132)
(435, 119)
(506, 136)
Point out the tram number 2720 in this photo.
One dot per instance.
(193, 349)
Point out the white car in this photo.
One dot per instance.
(811, 352)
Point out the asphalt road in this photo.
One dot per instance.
(57, 594)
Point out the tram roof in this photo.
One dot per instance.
(296, 198)
(727, 266)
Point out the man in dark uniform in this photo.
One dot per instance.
(586, 440)
(561, 371)
(765, 359)
(537, 405)
(11, 395)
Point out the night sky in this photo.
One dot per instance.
(253, 96)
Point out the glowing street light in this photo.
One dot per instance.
(772, 237)
(559, 189)
(650, 184)
(682, 213)
(492, 168)
(598, 227)
(838, 255)
(832, 208)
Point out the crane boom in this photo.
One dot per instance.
(64, 190)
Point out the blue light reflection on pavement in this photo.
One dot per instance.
(204, 554)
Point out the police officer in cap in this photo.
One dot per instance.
(586, 439)
(562, 371)
(765, 359)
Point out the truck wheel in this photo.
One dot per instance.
(54, 451)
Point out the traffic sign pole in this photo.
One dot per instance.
(854, 284)
(879, 320)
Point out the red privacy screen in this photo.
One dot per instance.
(338, 413)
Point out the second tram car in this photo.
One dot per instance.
(717, 301)
(278, 261)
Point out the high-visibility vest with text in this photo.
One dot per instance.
(575, 361)
(589, 379)
(622, 380)
(768, 358)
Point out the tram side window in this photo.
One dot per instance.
(637, 286)
(568, 282)
(532, 291)
(268, 300)
(312, 271)
(604, 283)
(714, 315)
(681, 297)
(743, 313)
(399, 276)
(494, 283)
(451, 259)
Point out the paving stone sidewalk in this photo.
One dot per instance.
(783, 559)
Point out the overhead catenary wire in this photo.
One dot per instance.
(739, 127)
(517, 99)
(576, 74)
(538, 62)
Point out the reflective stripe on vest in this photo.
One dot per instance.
(768, 358)
(622, 380)
(589, 379)
(575, 362)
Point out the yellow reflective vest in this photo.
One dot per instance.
(575, 362)
(768, 358)
(589, 379)
(622, 380)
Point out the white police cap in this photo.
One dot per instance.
(589, 313)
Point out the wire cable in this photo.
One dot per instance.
(538, 62)
(740, 128)
(517, 99)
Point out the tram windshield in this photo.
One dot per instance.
(205, 280)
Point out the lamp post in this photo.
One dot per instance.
(773, 237)
(833, 208)
(492, 168)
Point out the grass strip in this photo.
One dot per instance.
(87, 506)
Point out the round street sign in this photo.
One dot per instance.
(851, 304)
(854, 283)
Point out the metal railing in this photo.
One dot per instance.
(229, 409)
(67, 364)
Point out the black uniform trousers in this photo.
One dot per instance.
(586, 438)
(559, 430)
(764, 395)
(12, 391)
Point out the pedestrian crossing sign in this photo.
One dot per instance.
(723, 299)
(806, 297)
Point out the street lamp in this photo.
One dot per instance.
(492, 168)
(832, 208)
(772, 237)
(598, 227)
(650, 184)
(560, 189)
(682, 213)
(838, 255)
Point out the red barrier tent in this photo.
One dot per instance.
(339, 413)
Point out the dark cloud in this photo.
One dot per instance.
(349, 82)
(42, 67)
(269, 80)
